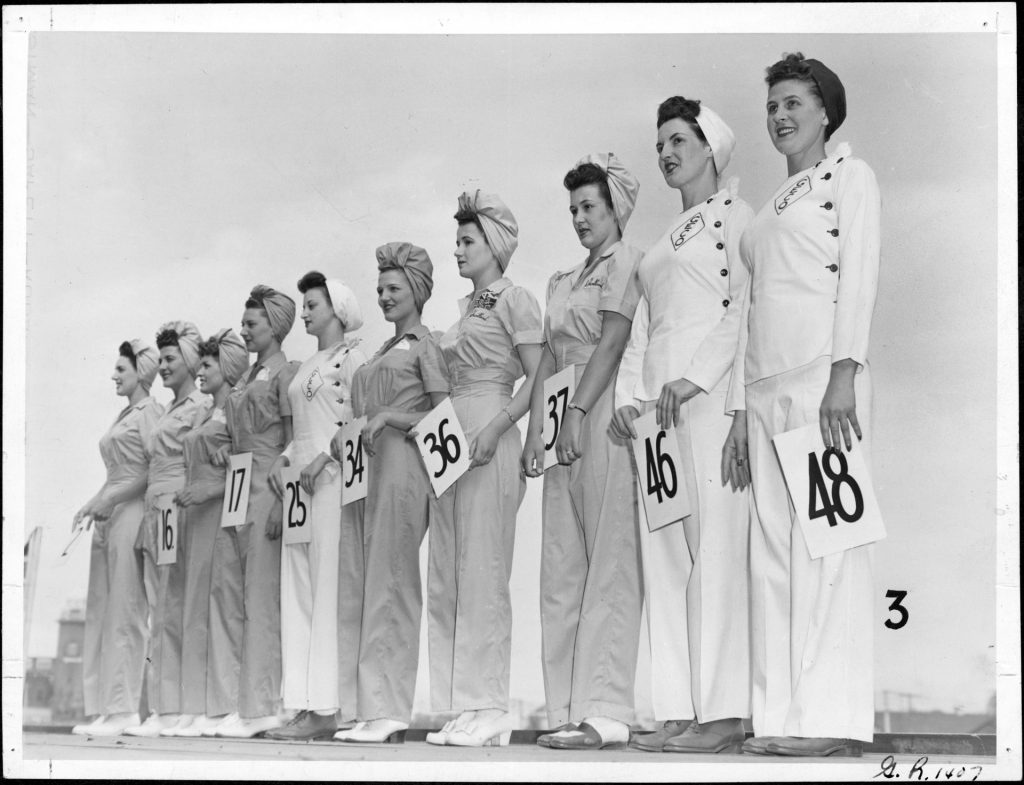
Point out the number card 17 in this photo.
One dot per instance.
(831, 492)
(558, 391)
(353, 462)
(236, 490)
(443, 446)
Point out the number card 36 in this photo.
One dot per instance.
(659, 473)
(353, 462)
(236, 490)
(443, 446)
(558, 391)
(831, 492)
(296, 509)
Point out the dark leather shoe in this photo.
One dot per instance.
(655, 742)
(586, 737)
(544, 740)
(815, 747)
(758, 745)
(305, 726)
(709, 737)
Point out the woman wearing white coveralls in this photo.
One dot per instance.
(115, 617)
(681, 350)
(590, 590)
(178, 343)
(318, 403)
(813, 255)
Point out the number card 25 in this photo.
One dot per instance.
(831, 492)
(236, 490)
(662, 486)
(443, 445)
(296, 509)
(558, 391)
(353, 462)
(167, 530)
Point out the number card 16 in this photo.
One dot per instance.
(831, 492)
(558, 391)
(354, 464)
(296, 509)
(167, 530)
(443, 446)
(236, 490)
(662, 485)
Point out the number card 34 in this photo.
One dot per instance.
(353, 462)
(443, 446)
(831, 492)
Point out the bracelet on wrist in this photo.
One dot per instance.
(577, 406)
(508, 414)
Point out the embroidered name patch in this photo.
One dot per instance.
(687, 231)
(599, 281)
(312, 384)
(799, 189)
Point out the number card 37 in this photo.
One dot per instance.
(831, 492)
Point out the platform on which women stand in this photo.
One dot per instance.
(901, 749)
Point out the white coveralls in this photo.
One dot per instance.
(813, 255)
(591, 593)
(695, 571)
(165, 584)
(116, 633)
(318, 402)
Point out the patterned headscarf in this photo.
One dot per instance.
(414, 262)
(496, 220)
(232, 355)
(147, 362)
(188, 343)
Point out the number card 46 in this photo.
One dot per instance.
(831, 492)
(662, 485)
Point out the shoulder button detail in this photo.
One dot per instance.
(725, 303)
(718, 224)
(719, 246)
(827, 176)
(723, 272)
(834, 232)
(827, 205)
(832, 267)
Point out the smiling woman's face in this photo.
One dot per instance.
(394, 296)
(795, 117)
(682, 156)
(173, 371)
(125, 377)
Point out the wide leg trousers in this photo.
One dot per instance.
(199, 532)
(591, 591)
(116, 633)
(812, 626)
(472, 538)
(309, 606)
(696, 581)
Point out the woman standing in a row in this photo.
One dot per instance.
(222, 362)
(813, 255)
(677, 363)
(318, 403)
(244, 681)
(403, 381)
(178, 343)
(116, 633)
(494, 343)
(590, 589)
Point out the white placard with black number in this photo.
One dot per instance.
(354, 464)
(236, 490)
(558, 391)
(443, 445)
(660, 478)
(831, 492)
(296, 509)
(166, 530)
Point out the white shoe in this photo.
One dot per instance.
(373, 732)
(152, 726)
(246, 728)
(494, 732)
(198, 725)
(184, 721)
(83, 729)
(113, 725)
(225, 721)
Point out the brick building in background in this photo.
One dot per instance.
(68, 701)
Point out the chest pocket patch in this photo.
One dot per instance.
(687, 231)
(799, 189)
(312, 384)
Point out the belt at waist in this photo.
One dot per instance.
(166, 469)
(483, 387)
(573, 355)
(125, 472)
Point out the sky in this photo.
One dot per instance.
(168, 173)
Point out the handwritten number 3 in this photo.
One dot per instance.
(897, 596)
(445, 445)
